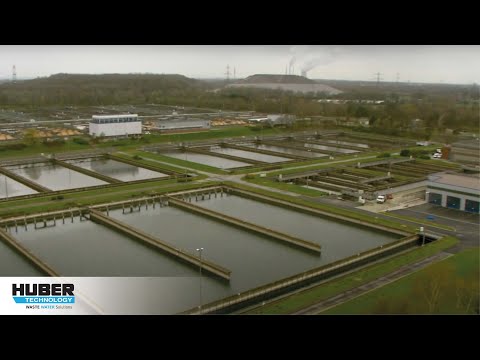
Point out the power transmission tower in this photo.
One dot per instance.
(378, 76)
(14, 74)
(228, 73)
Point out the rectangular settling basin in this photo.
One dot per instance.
(249, 155)
(54, 177)
(330, 148)
(10, 187)
(210, 160)
(117, 169)
(285, 150)
(14, 264)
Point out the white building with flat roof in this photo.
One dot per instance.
(455, 191)
(115, 125)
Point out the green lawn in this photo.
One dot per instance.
(450, 286)
(333, 287)
(37, 149)
(215, 133)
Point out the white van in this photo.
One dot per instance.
(381, 199)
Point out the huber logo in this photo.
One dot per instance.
(43, 293)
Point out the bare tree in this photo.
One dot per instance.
(431, 282)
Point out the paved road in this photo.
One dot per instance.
(467, 225)
(372, 285)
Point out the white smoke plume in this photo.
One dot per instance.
(310, 57)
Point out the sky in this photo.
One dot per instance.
(459, 64)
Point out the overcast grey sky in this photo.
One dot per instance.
(417, 63)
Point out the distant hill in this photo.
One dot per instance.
(403, 88)
(145, 80)
(295, 83)
(87, 89)
(276, 79)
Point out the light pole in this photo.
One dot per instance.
(422, 231)
(6, 187)
(185, 146)
(200, 270)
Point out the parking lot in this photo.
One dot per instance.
(466, 224)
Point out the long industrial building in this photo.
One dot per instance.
(115, 125)
(178, 125)
(454, 191)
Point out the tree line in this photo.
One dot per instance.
(456, 109)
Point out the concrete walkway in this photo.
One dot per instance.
(372, 285)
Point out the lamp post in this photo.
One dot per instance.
(200, 270)
(422, 231)
(185, 146)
